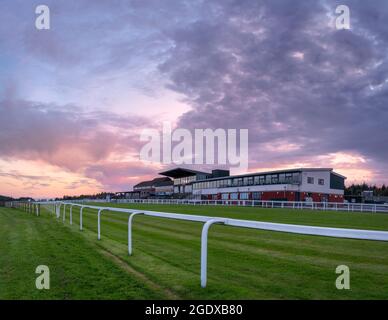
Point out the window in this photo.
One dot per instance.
(321, 182)
(244, 196)
(256, 195)
(257, 180)
(282, 178)
(225, 196)
(289, 177)
(250, 181)
(262, 180)
(268, 179)
(234, 196)
(296, 177)
(310, 180)
(274, 179)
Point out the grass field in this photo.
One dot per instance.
(242, 263)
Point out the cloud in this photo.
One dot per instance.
(281, 69)
(308, 93)
(64, 137)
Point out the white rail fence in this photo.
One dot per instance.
(333, 206)
(55, 208)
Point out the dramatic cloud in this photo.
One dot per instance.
(64, 137)
(77, 96)
(282, 70)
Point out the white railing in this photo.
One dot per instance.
(30, 207)
(333, 206)
(55, 208)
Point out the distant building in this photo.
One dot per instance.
(309, 184)
(185, 178)
(367, 196)
(158, 187)
(304, 184)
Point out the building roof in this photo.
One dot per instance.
(164, 184)
(157, 182)
(181, 172)
(143, 184)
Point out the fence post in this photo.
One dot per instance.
(130, 218)
(80, 218)
(99, 224)
(71, 214)
(204, 238)
(64, 212)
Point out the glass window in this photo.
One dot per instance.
(257, 180)
(237, 182)
(310, 180)
(244, 196)
(288, 177)
(321, 182)
(234, 196)
(296, 177)
(250, 181)
(225, 196)
(245, 183)
(274, 179)
(282, 177)
(268, 179)
(256, 195)
(262, 179)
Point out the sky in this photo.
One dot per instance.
(75, 98)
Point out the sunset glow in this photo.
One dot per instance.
(74, 99)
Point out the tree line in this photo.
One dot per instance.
(357, 189)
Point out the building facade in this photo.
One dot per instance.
(304, 184)
(183, 179)
(158, 188)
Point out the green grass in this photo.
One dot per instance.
(77, 269)
(242, 263)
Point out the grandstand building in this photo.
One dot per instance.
(156, 188)
(305, 184)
